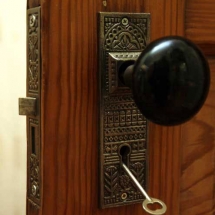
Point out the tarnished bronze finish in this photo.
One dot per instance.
(122, 38)
(27, 106)
(34, 120)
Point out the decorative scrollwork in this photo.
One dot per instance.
(138, 171)
(33, 53)
(123, 38)
(125, 42)
(111, 180)
(124, 181)
(34, 176)
(34, 179)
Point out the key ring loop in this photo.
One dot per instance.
(161, 211)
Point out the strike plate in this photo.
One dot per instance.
(122, 37)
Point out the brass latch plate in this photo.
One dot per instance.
(30, 106)
(122, 37)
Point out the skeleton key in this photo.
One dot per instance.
(148, 199)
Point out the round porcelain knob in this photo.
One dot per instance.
(170, 80)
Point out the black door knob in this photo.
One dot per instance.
(170, 80)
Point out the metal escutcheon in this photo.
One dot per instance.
(146, 202)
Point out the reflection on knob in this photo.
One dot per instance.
(170, 80)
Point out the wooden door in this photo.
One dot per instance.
(182, 158)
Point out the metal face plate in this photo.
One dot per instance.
(122, 37)
(34, 121)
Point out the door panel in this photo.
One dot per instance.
(200, 20)
(199, 24)
(198, 149)
(181, 170)
(198, 169)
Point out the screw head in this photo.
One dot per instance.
(124, 21)
(34, 190)
(124, 196)
(32, 20)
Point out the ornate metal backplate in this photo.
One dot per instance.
(33, 121)
(122, 38)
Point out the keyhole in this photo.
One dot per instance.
(124, 153)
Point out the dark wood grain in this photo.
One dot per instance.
(208, 49)
(70, 110)
(198, 169)
(33, 3)
(198, 140)
(200, 21)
